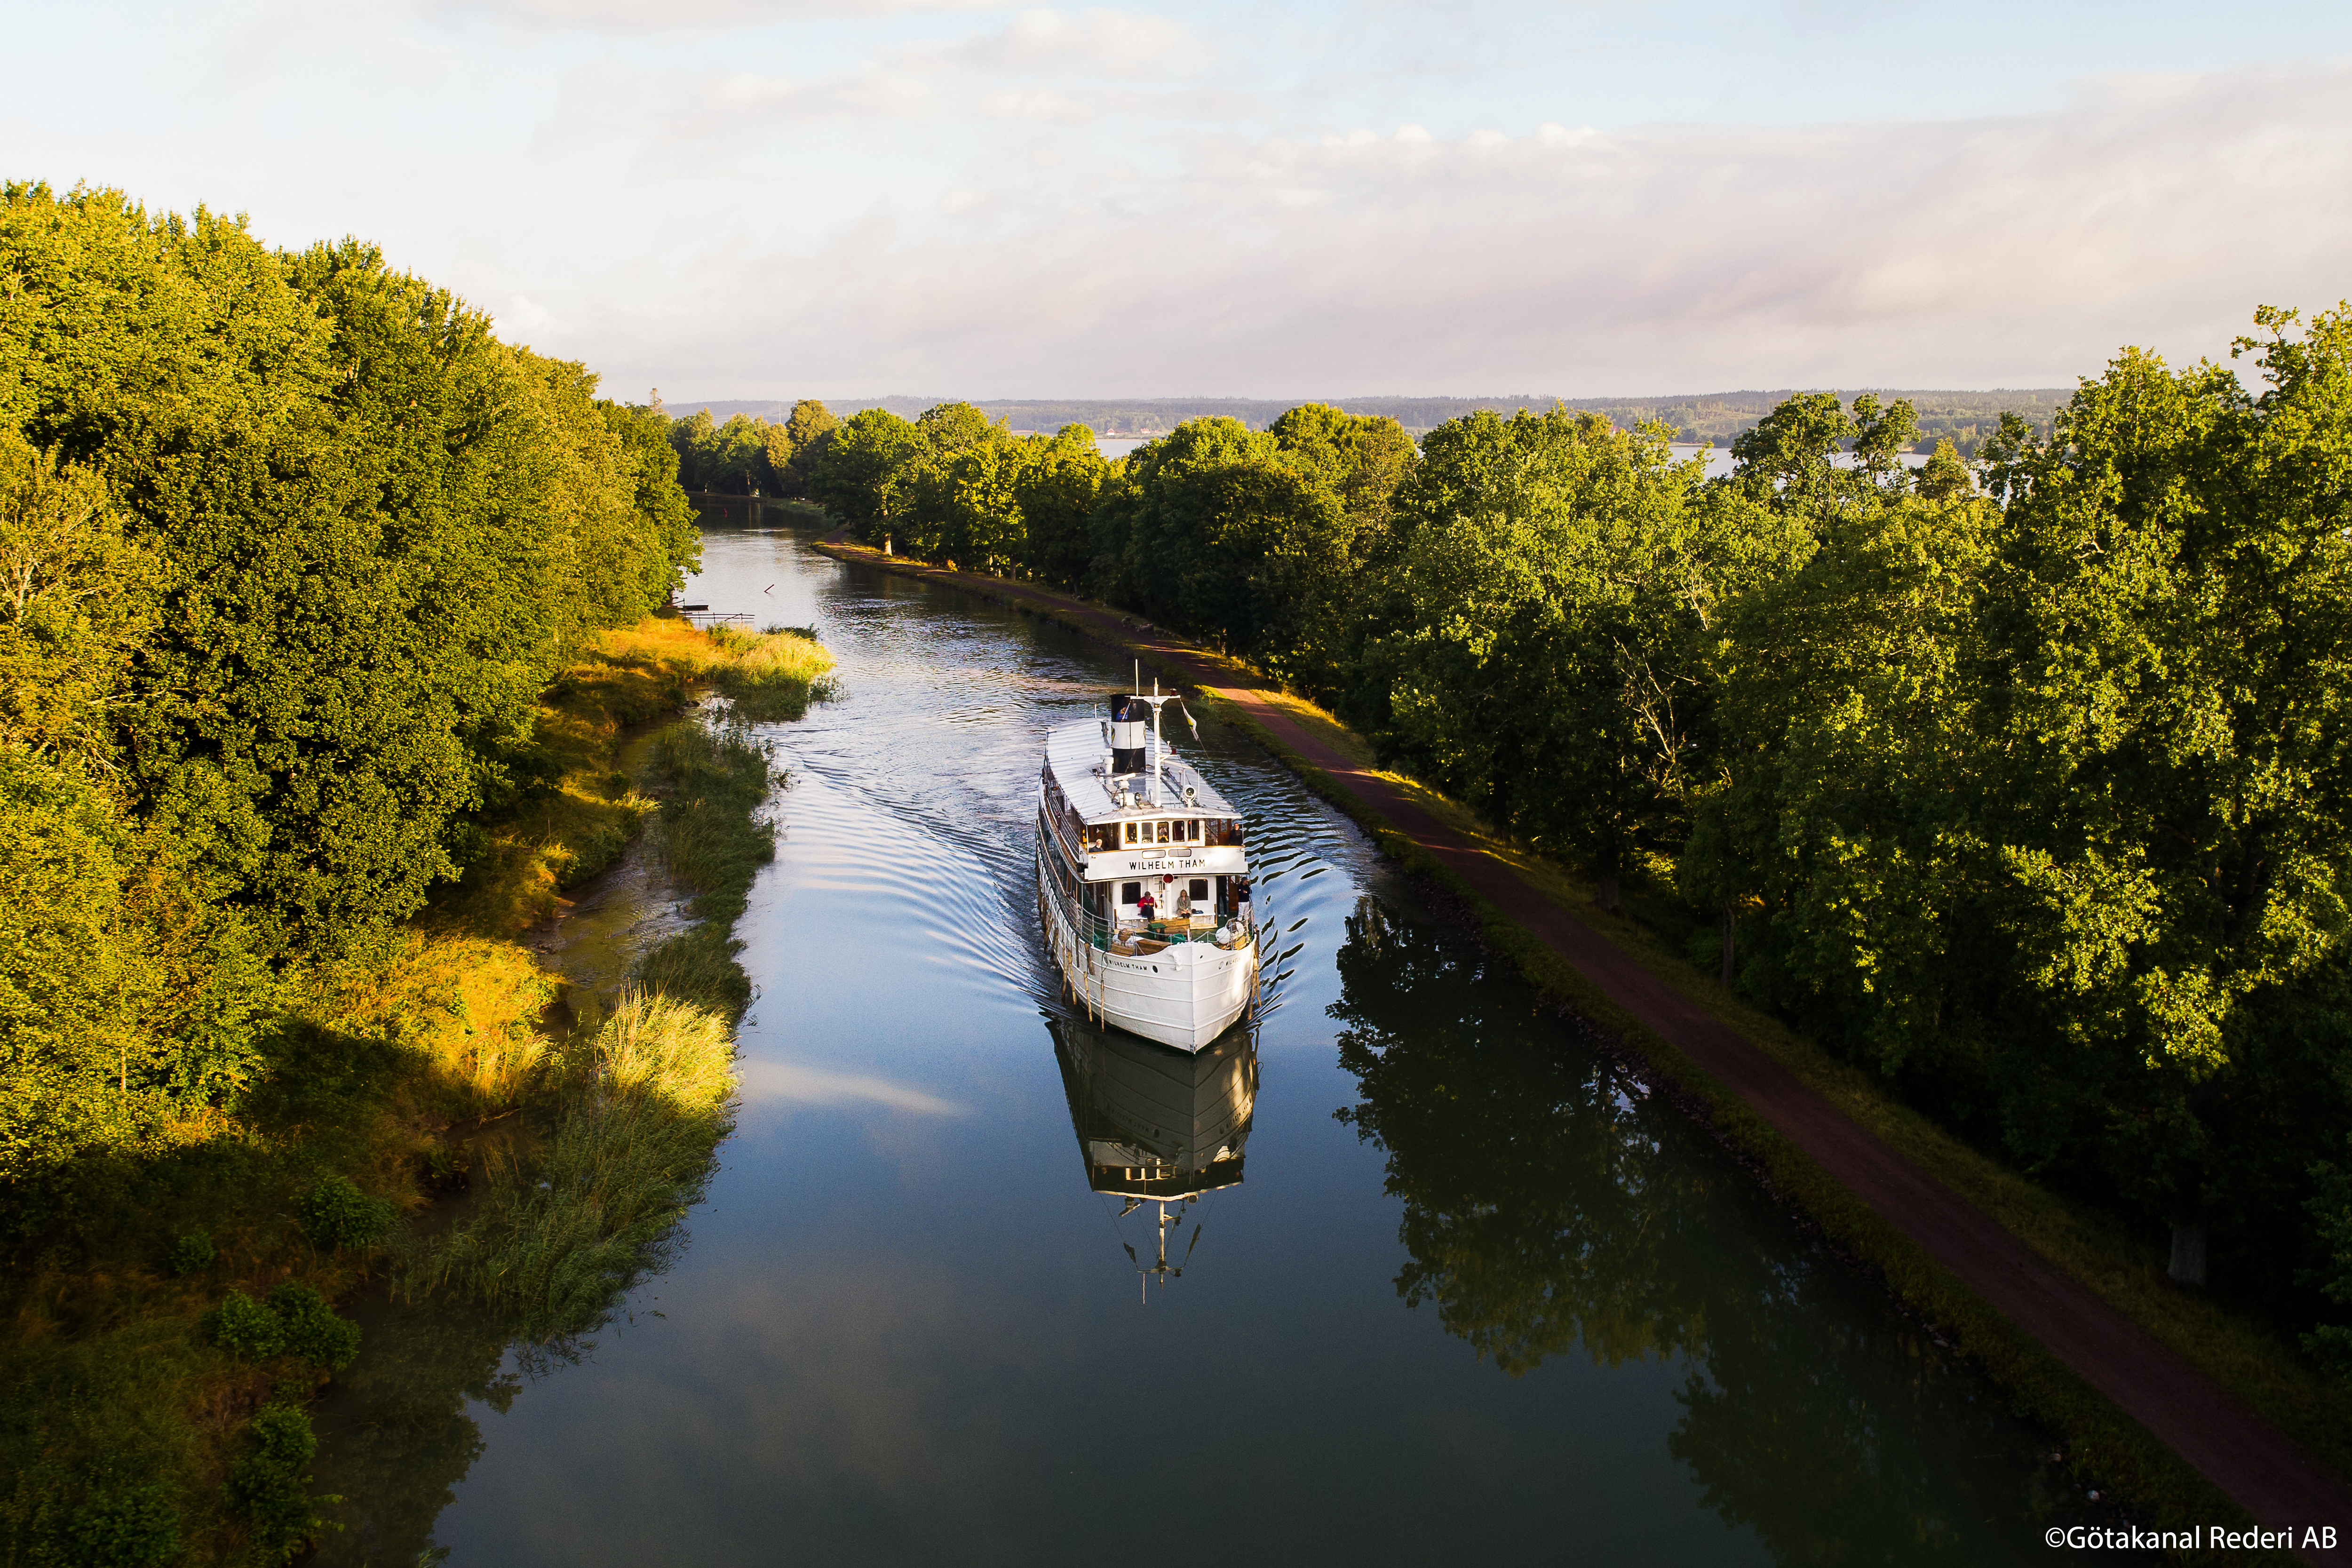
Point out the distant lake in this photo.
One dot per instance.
(1718, 460)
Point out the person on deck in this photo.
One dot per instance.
(1147, 906)
(1183, 903)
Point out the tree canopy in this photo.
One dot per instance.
(289, 544)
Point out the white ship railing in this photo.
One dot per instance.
(1092, 930)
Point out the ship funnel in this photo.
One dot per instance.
(1130, 730)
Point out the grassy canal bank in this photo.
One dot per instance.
(2108, 1449)
(177, 1317)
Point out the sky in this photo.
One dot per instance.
(788, 198)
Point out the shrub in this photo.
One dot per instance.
(337, 1213)
(282, 1435)
(296, 1321)
(313, 1332)
(192, 1254)
(243, 1326)
(134, 1529)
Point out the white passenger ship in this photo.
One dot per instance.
(1142, 883)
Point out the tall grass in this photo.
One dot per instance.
(552, 1245)
(771, 675)
(699, 965)
(471, 1006)
(573, 815)
(712, 838)
(654, 1046)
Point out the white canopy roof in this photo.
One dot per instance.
(1078, 754)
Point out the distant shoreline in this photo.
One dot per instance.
(1963, 416)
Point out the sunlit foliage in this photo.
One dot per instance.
(289, 546)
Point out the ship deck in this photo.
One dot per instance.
(1079, 755)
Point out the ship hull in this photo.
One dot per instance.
(1183, 995)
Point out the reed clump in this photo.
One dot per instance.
(771, 675)
(552, 1245)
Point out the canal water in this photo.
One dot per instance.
(1473, 1297)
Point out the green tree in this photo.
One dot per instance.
(1058, 488)
(964, 505)
(775, 458)
(950, 427)
(1213, 529)
(1785, 458)
(292, 544)
(2037, 791)
(1362, 459)
(2166, 724)
(1540, 649)
(1827, 797)
(811, 424)
(854, 477)
(74, 606)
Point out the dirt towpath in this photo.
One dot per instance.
(2257, 1466)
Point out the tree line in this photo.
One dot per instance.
(289, 546)
(2022, 781)
(746, 455)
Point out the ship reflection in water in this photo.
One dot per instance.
(1158, 1125)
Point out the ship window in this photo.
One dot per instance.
(1200, 890)
(1193, 829)
(1130, 833)
(1130, 892)
(1163, 833)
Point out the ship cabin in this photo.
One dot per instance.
(1141, 850)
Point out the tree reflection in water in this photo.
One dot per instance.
(1549, 1208)
(397, 1436)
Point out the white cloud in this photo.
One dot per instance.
(2023, 248)
(1097, 43)
(1093, 59)
(673, 110)
(640, 16)
(525, 319)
